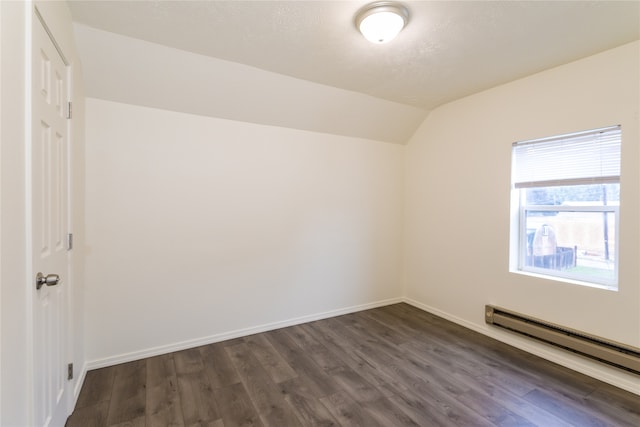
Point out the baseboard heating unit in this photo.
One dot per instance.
(619, 355)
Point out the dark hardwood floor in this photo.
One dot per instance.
(390, 366)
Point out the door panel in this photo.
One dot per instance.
(49, 186)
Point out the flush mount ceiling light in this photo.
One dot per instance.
(381, 21)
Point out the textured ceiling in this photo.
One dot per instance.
(450, 49)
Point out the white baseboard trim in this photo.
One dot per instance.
(595, 370)
(183, 345)
(615, 377)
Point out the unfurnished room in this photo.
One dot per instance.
(319, 213)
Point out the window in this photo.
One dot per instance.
(565, 203)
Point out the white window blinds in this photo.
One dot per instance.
(590, 157)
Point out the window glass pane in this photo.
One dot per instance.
(574, 244)
(575, 195)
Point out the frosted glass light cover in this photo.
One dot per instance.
(381, 27)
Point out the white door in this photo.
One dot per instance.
(49, 184)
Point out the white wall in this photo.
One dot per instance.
(200, 229)
(458, 192)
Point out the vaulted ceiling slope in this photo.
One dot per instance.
(133, 71)
(450, 49)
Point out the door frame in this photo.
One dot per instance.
(1, 235)
(15, 297)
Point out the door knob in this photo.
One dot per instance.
(49, 280)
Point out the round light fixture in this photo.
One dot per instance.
(381, 21)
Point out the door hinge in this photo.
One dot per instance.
(69, 241)
(69, 111)
(70, 371)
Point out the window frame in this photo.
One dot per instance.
(519, 238)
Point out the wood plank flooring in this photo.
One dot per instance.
(390, 366)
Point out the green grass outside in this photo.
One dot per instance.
(591, 272)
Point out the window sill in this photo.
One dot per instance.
(605, 287)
